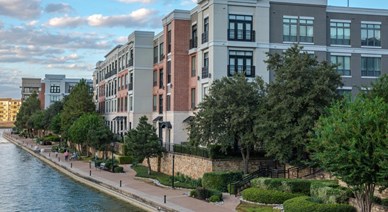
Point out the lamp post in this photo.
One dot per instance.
(112, 145)
(173, 166)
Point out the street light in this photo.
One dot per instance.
(112, 145)
(173, 166)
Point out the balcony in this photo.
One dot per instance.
(130, 86)
(194, 42)
(249, 70)
(241, 35)
(205, 72)
(110, 73)
(205, 37)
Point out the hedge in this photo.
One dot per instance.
(118, 169)
(204, 193)
(124, 160)
(220, 180)
(304, 203)
(267, 196)
(329, 192)
(280, 184)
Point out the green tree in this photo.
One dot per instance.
(90, 130)
(299, 94)
(142, 142)
(228, 114)
(28, 107)
(79, 102)
(51, 112)
(351, 142)
(35, 122)
(379, 89)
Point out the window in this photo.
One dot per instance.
(156, 54)
(205, 91)
(160, 104)
(130, 85)
(130, 103)
(161, 78)
(55, 88)
(193, 66)
(169, 41)
(340, 33)
(155, 78)
(126, 104)
(205, 34)
(205, 69)
(70, 88)
(168, 72)
(241, 61)
(54, 99)
(370, 66)
(168, 103)
(240, 28)
(343, 64)
(161, 51)
(193, 98)
(154, 104)
(194, 38)
(298, 30)
(370, 35)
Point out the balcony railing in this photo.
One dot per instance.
(130, 86)
(241, 35)
(248, 70)
(111, 73)
(205, 72)
(205, 37)
(194, 42)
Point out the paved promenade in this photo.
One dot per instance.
(141, 192)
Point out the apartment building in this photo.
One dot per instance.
(124, 82)
(219, 38)
(9, 109)
(55, 87)
(29, 86)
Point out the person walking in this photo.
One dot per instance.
(66, 155)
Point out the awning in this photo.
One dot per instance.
(159, 118)
(166, 124)
(188, 119)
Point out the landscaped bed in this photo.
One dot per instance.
(246, 207)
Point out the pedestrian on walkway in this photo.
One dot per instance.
(66, 155)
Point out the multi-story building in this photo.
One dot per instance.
(56, 87)
(29, 86)
(219, 38)
(9, 109)
(123, 82)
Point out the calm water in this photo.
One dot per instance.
(27, 184)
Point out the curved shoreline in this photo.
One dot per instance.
(131, 198)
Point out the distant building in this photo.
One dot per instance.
(29, 86)
(9, 109)
(56, 87)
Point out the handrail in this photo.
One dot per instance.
(234, 188)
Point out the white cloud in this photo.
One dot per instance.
(73, 66)
(136, 1)
(58, 8)
(66, 21)
(121, 40)
(20, 9)
(32, 23)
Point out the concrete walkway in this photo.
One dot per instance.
(131, 190)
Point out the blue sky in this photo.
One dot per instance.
(39, 37)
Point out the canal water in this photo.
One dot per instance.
(27, 184)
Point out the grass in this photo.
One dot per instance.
(246, 207)
(164, 179)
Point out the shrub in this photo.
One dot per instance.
(118, 169)
(384, 202)
(304, 203)
(202, 193)
(267, 196)
(213, 192)
(286, 185)
(184, 181)
(193, 193)
(329, 192)
(214, 198)
(54, 148)
(124, 159)
(220, 180)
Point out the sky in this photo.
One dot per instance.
(39, 37)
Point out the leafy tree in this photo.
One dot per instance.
(143, 142)
(55, 124)
(35, 121)
(228, 114)
(79, 102)
(90, 130)
(51, 112)
(28, 107)
(299, 94)
(351, 143)
(379, 89)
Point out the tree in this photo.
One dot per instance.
(379, 89)
(35, 122)
(90, 130)
(79, 102)
(28, 107)
(50, 113)
(143, 142)
(227, 115)
(299, 94)
(351, 142)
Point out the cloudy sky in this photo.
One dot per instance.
(39, 37)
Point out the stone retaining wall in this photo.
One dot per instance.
(195, 166)
(375, 208)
